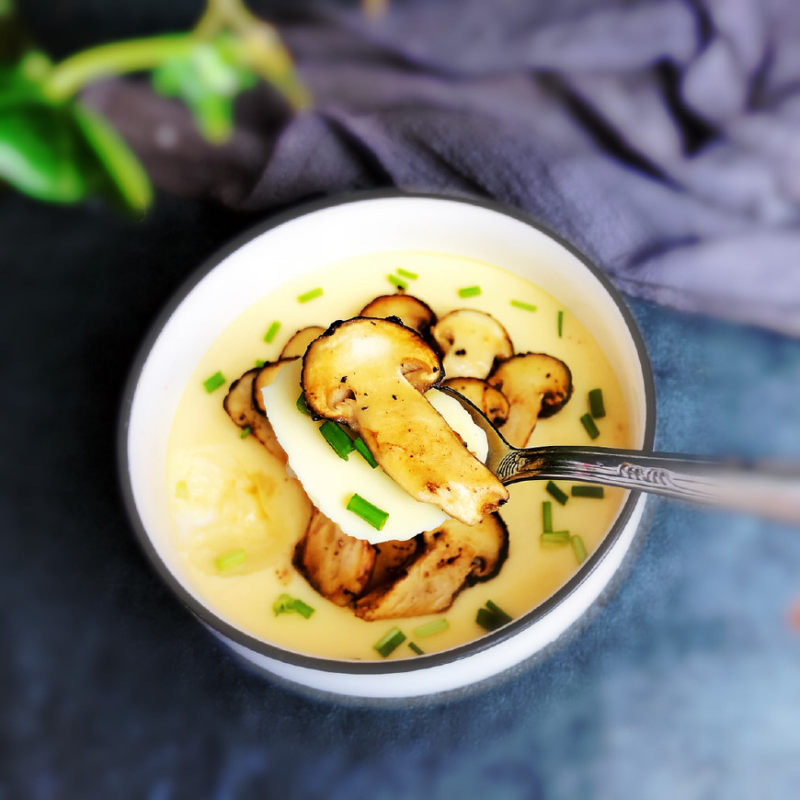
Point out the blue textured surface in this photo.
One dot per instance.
(684, 685)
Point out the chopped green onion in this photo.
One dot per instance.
(587, 491)
(214, 382)
(260, 362)
(271, 331)
(523, 306)
(555, 492)
(596, 404)
(336, 438)
(429, 628)
(498, 612)
(311, 294)
(547, 516)
(555, 537)
(560, 324)
(246, 431)
(419, 651)
(591, 428)
(369, 513)
(389, 641)
(181, 490)
(398, 282)
(302, 406)
(412, 276)
(469, 291)
(286, 604)
(362, 448)
(492, 616)
(230, 560)
(579, 548)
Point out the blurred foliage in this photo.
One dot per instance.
(55, 148)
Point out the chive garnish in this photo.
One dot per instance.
(523, 306)
(596, 404)
(272, 331)
(362, 448)
(429, 628)
(547, 516)
(181, 490)
(398, 282)
(246, 431)
(469, 291)
(285, 604)
(309, 295)
(336, 438)
(228, 561)
(587, 491)
(412, 276)
(214, 382)
(588, 423)
(419, 651)
(492, 616)
(260, 362)
(560, 323)
(389, 641)
(302, 406)
(555, 537)
(369, 513)
(579, 548)
(556, 493)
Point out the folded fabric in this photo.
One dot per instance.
(662, 138)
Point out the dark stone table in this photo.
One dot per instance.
(685, 684)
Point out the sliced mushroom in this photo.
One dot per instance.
(300, 340)
(536, 386)
(239, 405)
(370, 374)
(454, 555)
(338, 566)
(390, 559)
(411, 311)
(482, 395)
(471, 342)
(265, 376)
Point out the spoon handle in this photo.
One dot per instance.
(766, 489)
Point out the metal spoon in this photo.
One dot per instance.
(770, 490)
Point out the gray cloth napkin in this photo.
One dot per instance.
(661, 137)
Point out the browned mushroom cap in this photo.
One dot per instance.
(536, 386)
(491, 401)
(338, 566)
(471, 342)
(300, 340)
(265, 376)
(411, 311)
(454, 556)
(239, 405)
(370, 374)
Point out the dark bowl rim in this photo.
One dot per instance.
(346, 666)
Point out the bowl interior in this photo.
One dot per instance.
(224, 288)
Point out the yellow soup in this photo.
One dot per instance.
(236, 514)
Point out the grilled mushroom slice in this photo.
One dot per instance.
(239, 405)
(471, 342)
(300, 340)
(370, 374)
(482, 395)
(338, 566)
(411, 311)
(390, 559)
(454, 556)
(265, 376)
(536, 386)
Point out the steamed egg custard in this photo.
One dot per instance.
(290, 526)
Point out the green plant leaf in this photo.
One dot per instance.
(121, 167)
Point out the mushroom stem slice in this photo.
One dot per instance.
(471, 343)
(536, 385)
(370, 374)
(411, 311)
(300, 340)
(482, 395)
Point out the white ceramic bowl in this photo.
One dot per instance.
(305, 240)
